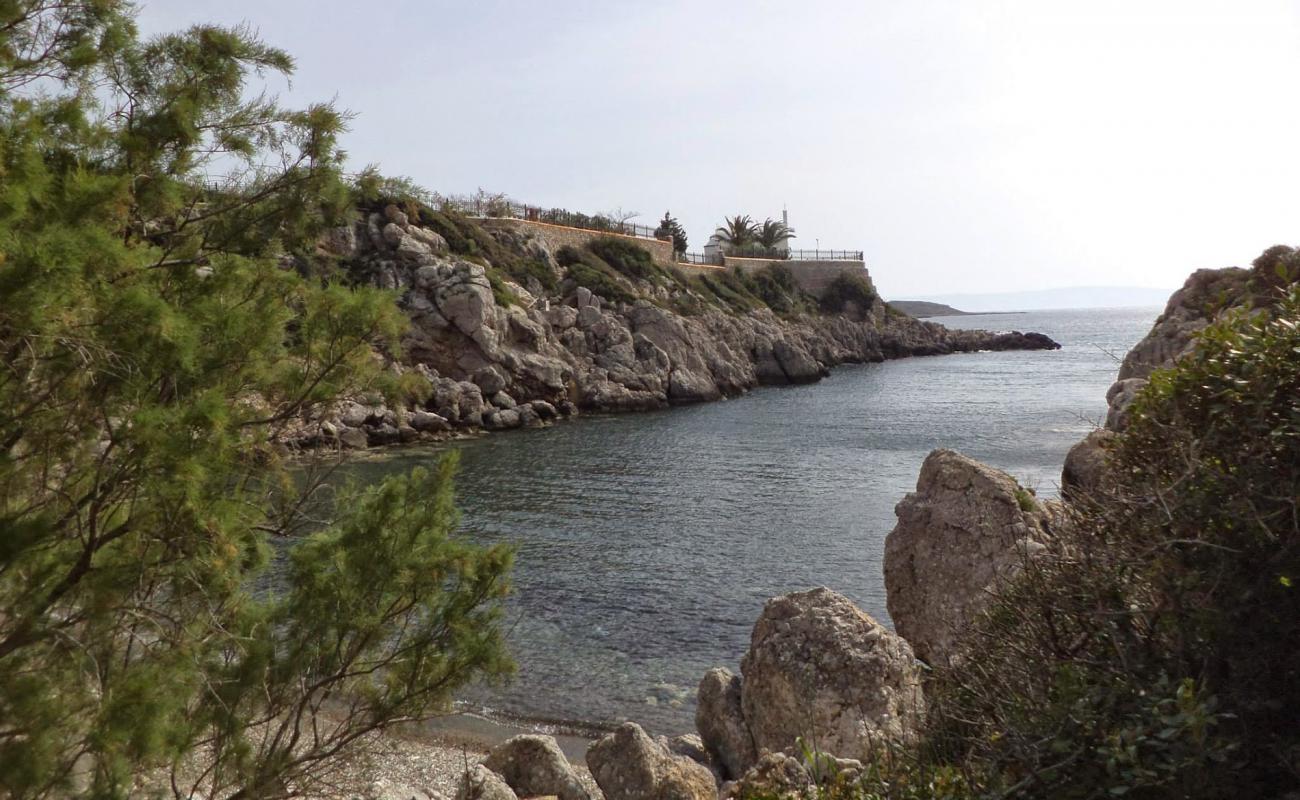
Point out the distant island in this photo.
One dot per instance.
(924, 308)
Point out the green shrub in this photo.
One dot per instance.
(845, 289)
(600, 282)
(626, 257)
(1151, 650)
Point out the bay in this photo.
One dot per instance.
(648, 543)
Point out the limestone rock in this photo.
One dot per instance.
(628, 765)
(819, 667)
(1085, 464)
(491, 379)
(1118, 398)
(481, 783)
(1205, 295)
(776, 775)
(534, 765)
(428, 422)
(967, 527)
(721, 722)
(503, 400)
(354, 439)
(691, 746)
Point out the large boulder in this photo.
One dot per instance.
(481, 783)
(628, 765)
(535, 765)
(820, 669)
(721, 722)
(965, 528)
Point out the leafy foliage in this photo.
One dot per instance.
(737, 231)
(773, 234)
(584, 268)
(846, 289)
(625, 257)
(154, 349)
(670, 227)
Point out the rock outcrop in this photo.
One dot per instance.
(1204, 298)
(628, 765)
(533, 765)
(819, 670)
(548, 354)
(965, 528)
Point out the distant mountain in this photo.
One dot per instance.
(1067, 297)
(924, 308)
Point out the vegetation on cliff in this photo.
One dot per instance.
(155, 341)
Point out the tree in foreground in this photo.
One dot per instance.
(154, 346)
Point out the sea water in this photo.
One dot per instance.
(647, 543)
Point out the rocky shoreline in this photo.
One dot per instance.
(822, 677)
(545, 354)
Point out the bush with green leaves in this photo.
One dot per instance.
(626, 257)
(154, 352)
(1151, 650)
(848, 289)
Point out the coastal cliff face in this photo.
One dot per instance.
(544, 353)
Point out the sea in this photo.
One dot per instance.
(646, 544)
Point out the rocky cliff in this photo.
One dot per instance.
(517, 346)
(969, 526)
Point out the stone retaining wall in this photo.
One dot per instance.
(812, 276)
(557, 236)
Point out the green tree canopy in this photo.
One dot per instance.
(670, 227)
(155, 346)
(737, 232)
(773, 234)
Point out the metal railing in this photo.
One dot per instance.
(506, 209)
(719, 260)
(825, 255)
(706, 259)
(786, 254)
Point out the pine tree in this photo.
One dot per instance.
(154, 346)
(669, 227)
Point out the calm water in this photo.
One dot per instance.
(647, 543)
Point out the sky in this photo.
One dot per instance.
(963, 146)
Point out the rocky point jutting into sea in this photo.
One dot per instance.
(506, 349)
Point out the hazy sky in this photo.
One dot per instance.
(965, 146)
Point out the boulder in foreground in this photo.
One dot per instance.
(965, 528)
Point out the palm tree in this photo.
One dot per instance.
(774, 234)
(737, 231)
